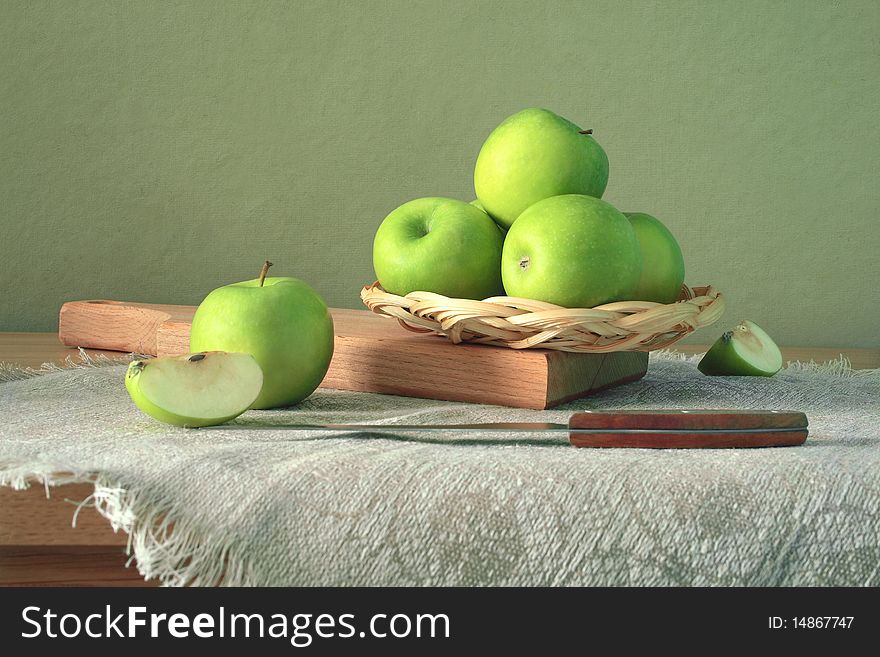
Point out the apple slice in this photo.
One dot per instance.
(746, 350)
(195, 390)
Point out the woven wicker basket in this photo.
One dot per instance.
(524, 323)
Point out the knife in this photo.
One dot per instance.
(659, 429)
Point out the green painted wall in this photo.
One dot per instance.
(153, 151)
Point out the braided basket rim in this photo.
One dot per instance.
(519, 323)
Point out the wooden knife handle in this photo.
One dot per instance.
(663, 429)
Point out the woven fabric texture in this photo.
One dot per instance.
(252, 504)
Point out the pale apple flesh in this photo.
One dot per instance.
(746, 350)
(195, 390)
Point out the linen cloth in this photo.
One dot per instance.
(251, 505)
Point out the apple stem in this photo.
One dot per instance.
(586, 132)
(264, 271)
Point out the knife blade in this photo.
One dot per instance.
(659, 429)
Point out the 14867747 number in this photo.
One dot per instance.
(810, 623)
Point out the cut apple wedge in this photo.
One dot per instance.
(195, 390)
(746, 350)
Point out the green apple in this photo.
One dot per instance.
(572, 250)
(196, 390)
(662, 262)
(439, 245)
(533, 155)
(476, 203)
(281, 322)
(746, 350)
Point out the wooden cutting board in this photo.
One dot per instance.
(374, 354)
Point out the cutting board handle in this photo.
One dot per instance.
(144, 328)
